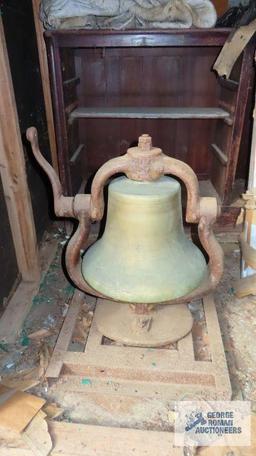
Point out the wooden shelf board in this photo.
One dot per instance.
(149, 113)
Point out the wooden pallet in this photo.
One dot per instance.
(144, 372)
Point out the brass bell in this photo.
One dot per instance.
(144, 270)
(144, 255)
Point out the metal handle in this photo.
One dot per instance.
(67, 206)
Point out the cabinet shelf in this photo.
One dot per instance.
(148, 113)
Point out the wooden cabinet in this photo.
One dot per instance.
(109, 87)
(221, 6)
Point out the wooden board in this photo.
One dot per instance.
(36, 435)
(252, 167)
(16, 311)
(106, 441)
(70, 439)
(233, 47)
(45, 82)
(13, 174)
(66, 333)
(21, 301)
(9, 272)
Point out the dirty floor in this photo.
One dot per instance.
(37, 339)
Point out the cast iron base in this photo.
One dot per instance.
(164, 325)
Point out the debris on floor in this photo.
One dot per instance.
(23, 380)
(25, 415)
(233, 451)
(82, 326)
(23, 364)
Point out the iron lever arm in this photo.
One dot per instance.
(63, 205)
(68, 206)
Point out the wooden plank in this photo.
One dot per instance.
(11, 444)
(79, 439)
(186, 348)
(244, 90)
(21, 301)
(36, 435)
(65, 335)
(18, 307)
(149, 113)
(252, 167)
(45, 83)
(181, 372)
(71, 107)
(76, 154)
(219, 362)
(221, 156)
(228, 83)
(62, 142)
(74, 80)
(135, 38)
(71, 439)
(245, 286)
(113, 389)
(233, 47)
(13, 174)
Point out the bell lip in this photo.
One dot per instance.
(205, 287)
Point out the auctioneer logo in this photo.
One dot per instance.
(213, 423)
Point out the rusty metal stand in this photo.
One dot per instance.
(172, 373)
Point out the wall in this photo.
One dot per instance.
(22, 50)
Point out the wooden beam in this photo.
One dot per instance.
(45, 83)
(233, 47)
(252, 167)
(13, 174)
(247, 284)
